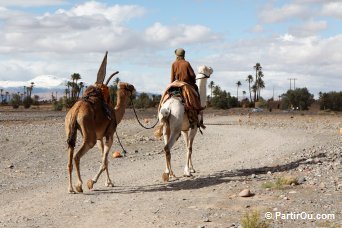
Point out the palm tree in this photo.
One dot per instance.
(238, 84)
(254, 90)
(250, 80)
(7, 95)
(32, 83)
(81, 86)
(116, 81)
(244, 94)
(260, 83)
(75, 77)
(257, 68)
(211, 86)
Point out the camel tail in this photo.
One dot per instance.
(71, 126)
(163, 115)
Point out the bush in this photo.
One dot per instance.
(299, 97)
(253, 221)
(27, 102)
(143, 101)
(331, 100)
(15, 101)
(58, 105)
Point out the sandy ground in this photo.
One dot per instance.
(235, 152)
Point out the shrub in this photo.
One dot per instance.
(15, 101)
(27, 102)
(252, 220)
(58, 105)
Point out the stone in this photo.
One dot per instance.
(301, 180)
(245, 193)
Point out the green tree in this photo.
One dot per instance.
(250, 80)
(299, 97)
(220, 98)
(260, 83)
(143, 101)
(238, 84)
(243, 94)
(1, 90)
(74, 89)
(15, 101)
(211, 86)
(331, 100)
(257, 68)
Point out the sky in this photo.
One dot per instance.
(299, 39)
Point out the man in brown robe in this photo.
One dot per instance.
(181, 70)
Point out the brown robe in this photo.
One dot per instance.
(181, 70)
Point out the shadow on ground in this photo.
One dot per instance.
(205, 181)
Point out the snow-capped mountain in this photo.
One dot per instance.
(43, 86)
(43, 81)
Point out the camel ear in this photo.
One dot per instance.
(130, 87)
(101, 74)
(210, 70)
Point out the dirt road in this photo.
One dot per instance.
(236, 152)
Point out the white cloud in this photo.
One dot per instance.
(273, 15)
(29, 3)
(308, 29)
(257, 28)
(179, 35)
(333, 9)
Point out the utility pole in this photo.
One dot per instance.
(273, 94)
(290, 83)
(294, 83)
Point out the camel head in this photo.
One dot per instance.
(205, 70)
(125, 89)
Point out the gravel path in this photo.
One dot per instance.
(236, 152)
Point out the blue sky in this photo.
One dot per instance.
(290, 38)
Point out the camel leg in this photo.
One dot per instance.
(101, 147)
(192, 135)
(77, 157)
(109, 182)
(169, 143)
(104, 165)
(187, 172)
(70, 166)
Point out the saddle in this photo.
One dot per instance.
(190, 97)
(101, 92)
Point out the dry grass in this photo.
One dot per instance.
(280, 182)
(252, 220)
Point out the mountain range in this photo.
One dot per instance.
(43, 86)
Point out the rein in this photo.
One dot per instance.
(136, 116)
(204, 76)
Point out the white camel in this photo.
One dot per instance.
(174, 121)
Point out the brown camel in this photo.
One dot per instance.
(88, 115)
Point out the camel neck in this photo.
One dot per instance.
(120, 109)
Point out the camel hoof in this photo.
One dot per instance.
(110, 184)
(192, 171)
(90, 184)
(79, 189)
(71, 191)
(165, 177)
(187, 175)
